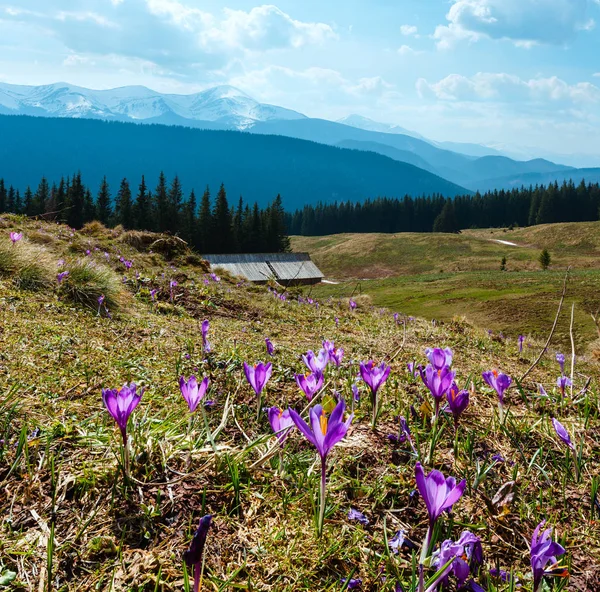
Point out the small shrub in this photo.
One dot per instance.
(503, 264)
(138, 239)
(545, 259)
(88, 280)
(30, 266)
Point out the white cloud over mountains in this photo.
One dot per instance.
(524, 22)
(507, 88)
(171, 34)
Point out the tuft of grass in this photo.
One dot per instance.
(88, 280)
(30, 266)
(138, 239)
(95, 228)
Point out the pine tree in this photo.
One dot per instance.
(3, 196)
(277, 239)
(174, 197)
(18, 203)
(28, 205)
(61, 201)
(103, 207)
(42, 195)
(545, 259)
(188, 220)
(124, 206)
(222, 238)
(75, 202)
(10, 200)
(446, 220)
(143, 208)
(89, 207)
(161, 202)
(50, 210)
(204, 232)
(238, 229)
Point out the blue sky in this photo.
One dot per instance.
(505, 72)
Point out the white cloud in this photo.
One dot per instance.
(407, 50)
(525, 22)
(408, 30)
(94, 17)
(265, 27)
(375, 85)
(507, 88)
(596, 74)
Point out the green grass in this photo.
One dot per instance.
(60, 456)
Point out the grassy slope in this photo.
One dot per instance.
(440, 276)
(56, 357)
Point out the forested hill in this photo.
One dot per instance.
(256, 166)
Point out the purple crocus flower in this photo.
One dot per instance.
(374, 377)
(258, 375)
(521, 341)
(214, 277)
(499, 382)
(562, 433)
(61, 276)
(438, 492)
(400, 541)
(396, 317)
(560, 358)
(88, 252)
(324, 433)
(457, 402)
(542, 390)
(316, 363)
(193, 392)
(337, 322)
(121, 403)
(438, 382)
(270, 346)
(60, 262)
(193, 556)
(204, 328)
(356, 393)
(352, 304)
(15, 237)
(310, 383)
(127, 264)
(353, 583)
(335, 354)
(439, 358)
(562, 383)
(281, 423)
(106, 255)
(466, 555)
(358, 516)
(412, 368)
(100, 302)
(543, 552)
(153, 294)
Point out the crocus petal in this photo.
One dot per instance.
(303, 427)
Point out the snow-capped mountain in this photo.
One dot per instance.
(224, 105)
(370, 125)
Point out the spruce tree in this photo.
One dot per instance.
(42, 195)
(161, 203)
(238, 230)
(18, 203)
(277, 239)
(50, 209)
(75, 202)
(545, 259)
(89, 207)
(174, 197)
(222, 237)
(143, 208)
(60, 201)
(124, 206)
(446, 220)
(204, 232)
(188, 220)
(10, 200)
(28, 205)
(3, 196)
(103, 207)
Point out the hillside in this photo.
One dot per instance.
(438, 276)
(255, 166)
(75, 518)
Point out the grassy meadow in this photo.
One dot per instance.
(439, 276)
(74, 519)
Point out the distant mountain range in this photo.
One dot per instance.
(454, 165)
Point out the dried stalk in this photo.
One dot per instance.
(572, 347)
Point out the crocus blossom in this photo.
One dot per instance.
(466, 555)
(310, 384)
(16, 237)
(193, 556)
(438, 492)
(498, 381)
(258, 375)
(544, 552)
(353, 583)
(374, 377)
(281, 423)
(400, 541)
(335, 354)
(352, 304)
(358, 516)
(204, 329)
(323, 433)
(438, 382)
(61, 276)
(193, 392)
(562, 433)
(563, 382)
(316, 363)
(560, 358)
(270, 346)
(355, 393)
(121, 403)
(458, 401)
(439, 358)
(153, 294)
(521, 341)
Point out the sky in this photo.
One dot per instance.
(508, 73)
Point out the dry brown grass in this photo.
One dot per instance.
(28, 265)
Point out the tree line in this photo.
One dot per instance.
(212, 226)
(494, 209)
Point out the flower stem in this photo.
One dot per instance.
(208, 432)
(125, 456)
(423, 557)
(374, 411)
(322, 496)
